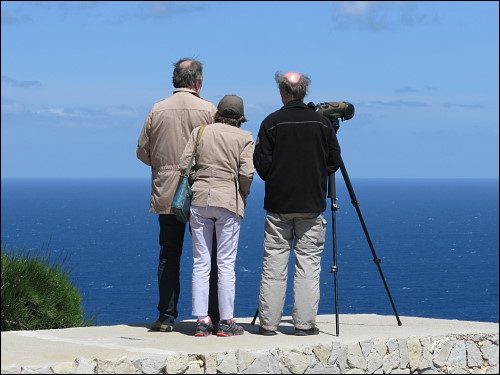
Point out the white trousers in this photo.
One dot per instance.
(227, 229)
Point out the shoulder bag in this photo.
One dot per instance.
(182, 199)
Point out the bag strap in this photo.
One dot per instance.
(200, 133)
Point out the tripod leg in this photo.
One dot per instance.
(377, 261)
(332, 194)
(255, 316)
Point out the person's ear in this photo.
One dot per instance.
(198, 85)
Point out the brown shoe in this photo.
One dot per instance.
(162, 327)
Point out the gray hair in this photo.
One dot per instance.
(187, 76)
(219, 117)
(296, 90)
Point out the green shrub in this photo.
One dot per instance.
(37, 295)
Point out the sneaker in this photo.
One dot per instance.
(307, 332)
(229, 328)
(266, 332)
(203, 329)
(161, 326)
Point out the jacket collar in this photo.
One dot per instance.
(295, 104)
(183, 89)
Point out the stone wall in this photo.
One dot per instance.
(453, 354)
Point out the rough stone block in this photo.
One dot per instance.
(355, 357)
(490, 353)
(227, 363)
(210, 361)
(85, 365)
(124, 366)
(391, 362)
(414, 350)
(36, 370)
(245, 359)
(294, 360)
(176, 363)
(322, 352)
(11, 369)
(375, 362)
(367, 346)
(404, 360)
(458, 356)
(474, 357)
(442, 349)
(61, 368)
(105, 366)
(335, 353)
(153, 365)
(392, 345)
(457, 370)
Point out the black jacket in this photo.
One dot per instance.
(295, 151)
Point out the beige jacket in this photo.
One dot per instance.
(223, 168)
(163, 138)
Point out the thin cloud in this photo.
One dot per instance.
(430, 88)
(406, 89)
(63, 10)
(85, 113)
(9, 19)
(454, 105)
(23, 84)
(400, 103)
(378, 15)
(59, 112)
(80, 4)
(409, 89)
(10, 106)
(167, 9)
(122, 111)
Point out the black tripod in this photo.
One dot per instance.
(332, 194)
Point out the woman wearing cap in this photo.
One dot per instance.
(223, 173)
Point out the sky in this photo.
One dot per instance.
(79, 78)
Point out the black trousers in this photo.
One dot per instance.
(169, 286)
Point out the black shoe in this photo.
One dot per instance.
(266, 332)
(307, 332)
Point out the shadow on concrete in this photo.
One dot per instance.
(188, 327)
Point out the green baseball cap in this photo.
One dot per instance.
(231, 106)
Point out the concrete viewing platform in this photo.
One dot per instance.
(366, 344)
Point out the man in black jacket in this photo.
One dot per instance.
(295, 151)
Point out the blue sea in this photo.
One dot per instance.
(437, 240)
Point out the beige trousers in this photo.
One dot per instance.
(305, 233)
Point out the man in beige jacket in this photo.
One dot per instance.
(160, 145)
